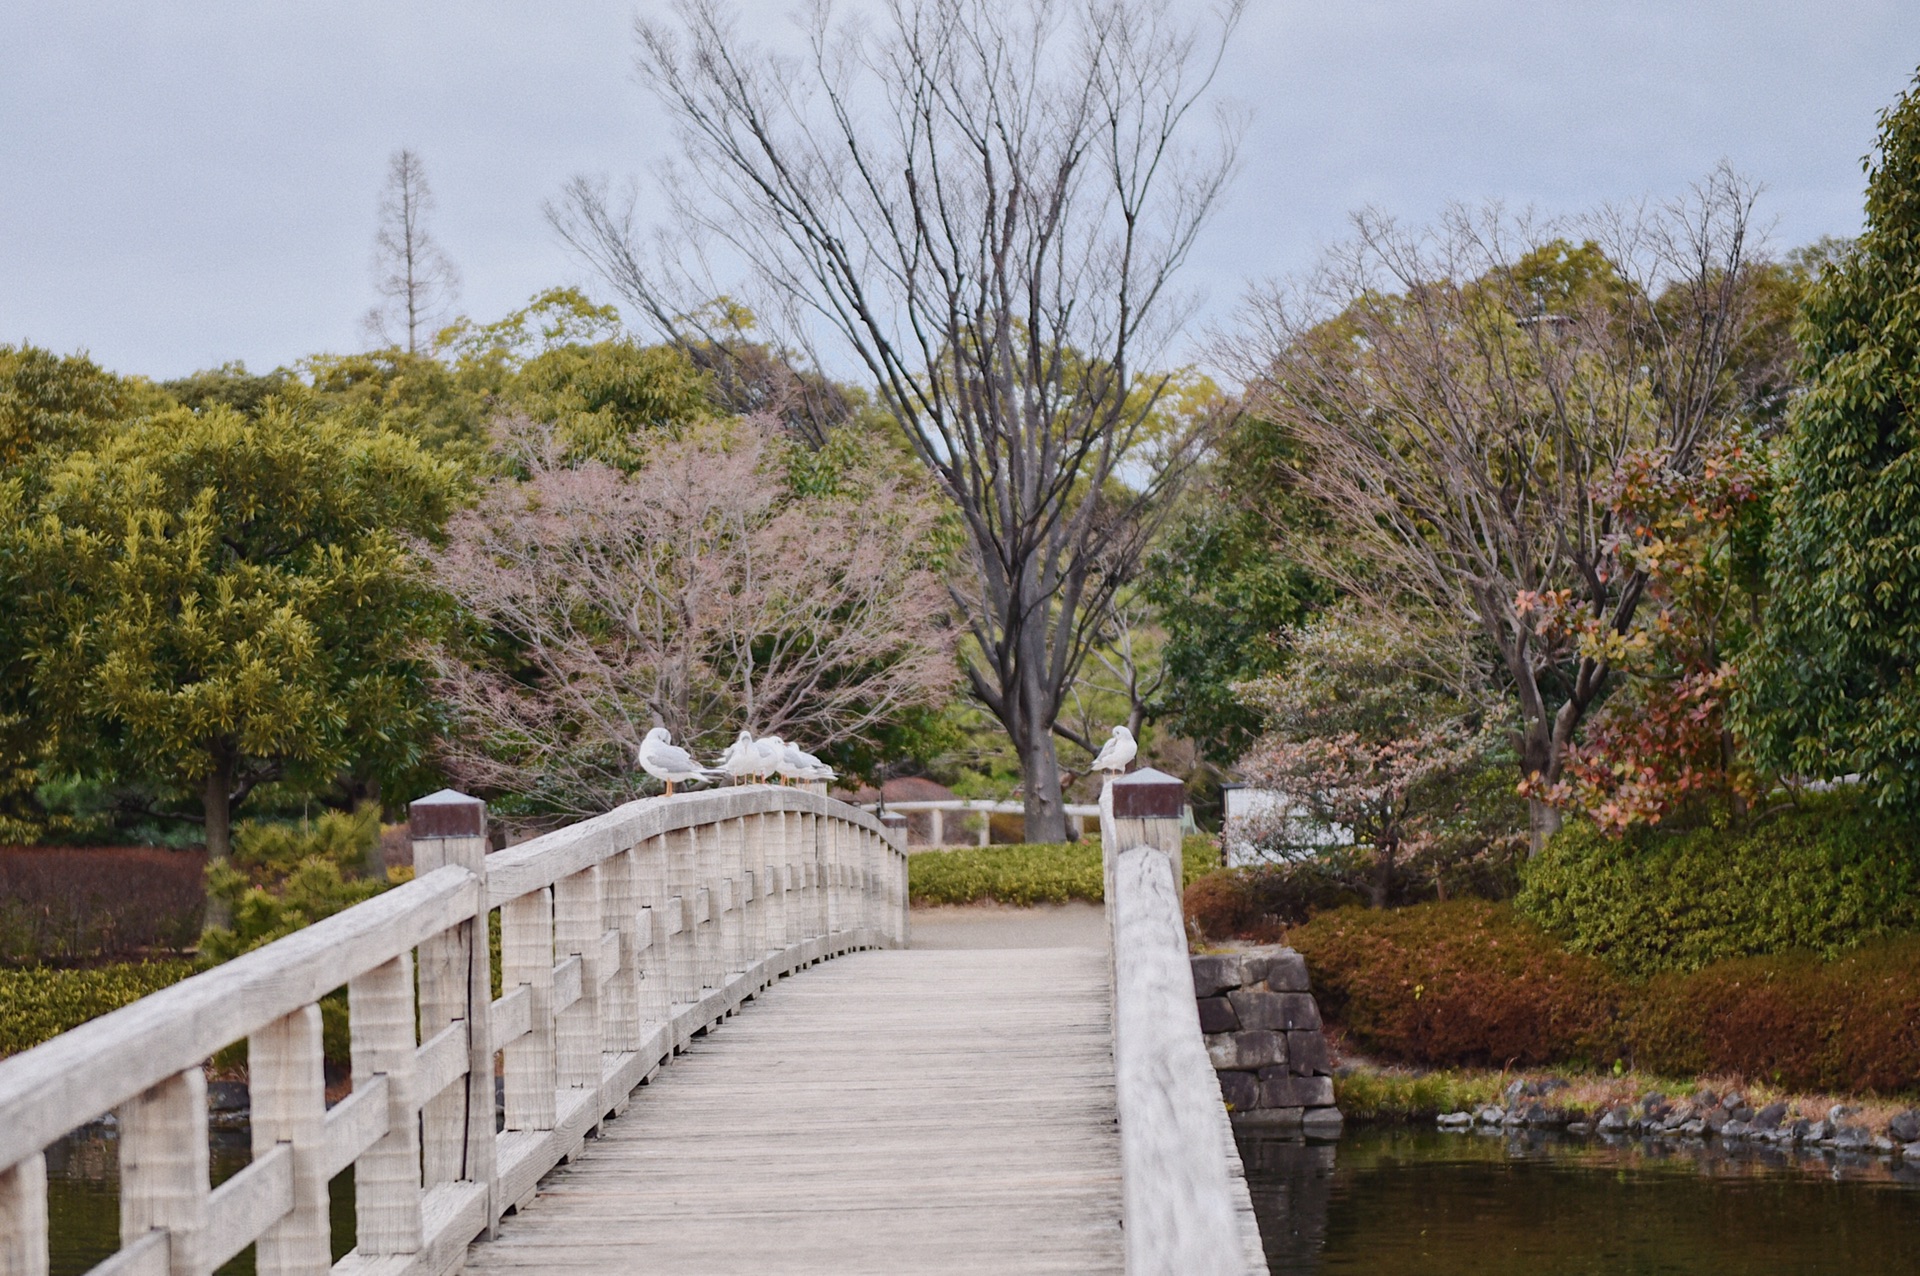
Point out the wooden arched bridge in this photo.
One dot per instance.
(671, 1074)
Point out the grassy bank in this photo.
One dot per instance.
(1027, 874)
(1389, 1095)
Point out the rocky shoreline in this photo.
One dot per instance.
(1706, 1115)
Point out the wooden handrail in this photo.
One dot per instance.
(623, 936)
(1186, 1209)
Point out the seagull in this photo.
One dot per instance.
(663, 760)
(1115, 753)
(770, 749)
(742, 759)
(795, 763)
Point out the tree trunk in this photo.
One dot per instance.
(1543, 822)
(217, 803)
(1046, 816)
(1536, 759)
(1382, 882)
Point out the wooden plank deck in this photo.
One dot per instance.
(886, 1112)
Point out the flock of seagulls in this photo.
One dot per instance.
(746, 760)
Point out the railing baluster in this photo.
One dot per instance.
(576, 933)
(386, 1178)
(683, 976)
(620, 1009)
(23, 1218)
(288, 1088)
(650, 884)
(526, 960)
(163, 1169)
(707, 958)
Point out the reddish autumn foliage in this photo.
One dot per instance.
(81, 903)
(1465, 982)
(1663, 741)
(1470, 983)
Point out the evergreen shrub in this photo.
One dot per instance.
(1826, 877)
(38, 1004)
(1028, 873)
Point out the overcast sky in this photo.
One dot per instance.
(186, 183)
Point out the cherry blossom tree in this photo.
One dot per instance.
(700, 590)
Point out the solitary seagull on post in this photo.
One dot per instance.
(666, 761)
(1116, 753)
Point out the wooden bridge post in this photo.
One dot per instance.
(386, 1178)
(1146, 808)
(163, 1170)
(288, 1085)
(23, 1218)
(456, 986)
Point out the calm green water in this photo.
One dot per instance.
(83, 1198)
(1393, 1202)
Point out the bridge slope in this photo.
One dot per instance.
(887, 1112)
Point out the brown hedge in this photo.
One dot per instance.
(1465, 982)
(75, 904)
(1470, 983)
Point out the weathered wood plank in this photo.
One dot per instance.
(889, 1111)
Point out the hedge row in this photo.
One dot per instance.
(38, 1004)
(1028, 873)
(1825, 878)
(1470, 983)
(84, 903)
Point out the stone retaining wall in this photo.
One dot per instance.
(1263, 1035)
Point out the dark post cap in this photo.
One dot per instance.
(1148, 794)
(447, 814)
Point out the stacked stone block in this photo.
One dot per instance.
(1263, 1035)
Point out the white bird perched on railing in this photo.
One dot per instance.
(742, 759)
(794, 762)
(1116, 753)
(666, 761)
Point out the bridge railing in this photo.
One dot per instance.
(1184, 1194)
(621, 938)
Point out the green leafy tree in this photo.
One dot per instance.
(1834, 684)
(48, 403)
(215, 603)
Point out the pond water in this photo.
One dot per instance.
(83, 1197)
(1387, 1201)
(1392, 1201)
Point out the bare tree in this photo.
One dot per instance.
(1466, 394)
(985, 203)
(697, 593)
(416, 280)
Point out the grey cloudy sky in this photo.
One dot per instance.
(186, 183)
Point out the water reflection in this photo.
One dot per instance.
(83, 1196)
(1393, 1201)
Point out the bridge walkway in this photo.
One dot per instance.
(893, 1111)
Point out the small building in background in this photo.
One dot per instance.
(1265, 826)
(911, 788)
